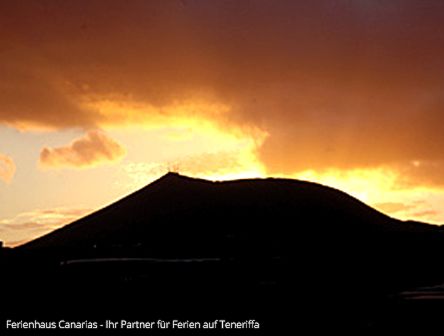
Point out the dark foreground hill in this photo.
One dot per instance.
(286, 253)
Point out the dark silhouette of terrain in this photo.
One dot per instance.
(287, 253)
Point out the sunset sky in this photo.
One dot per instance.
(99, 98)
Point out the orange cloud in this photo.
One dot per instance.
(93, 149)
(349, 86)
(7, 168)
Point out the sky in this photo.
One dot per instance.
(100, 98)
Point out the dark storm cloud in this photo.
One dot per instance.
(336, 84)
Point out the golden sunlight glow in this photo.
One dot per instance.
(366, 185)
(191, 138)
(378, 188)
(121, 113)
(213, 155)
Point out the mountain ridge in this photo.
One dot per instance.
(177, 193)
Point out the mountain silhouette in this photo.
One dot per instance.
(257, 245)
(182, 216)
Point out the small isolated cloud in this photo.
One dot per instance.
(421, 210)
(93, 149)
(426, 214)
(394, 207)
(7, 168)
